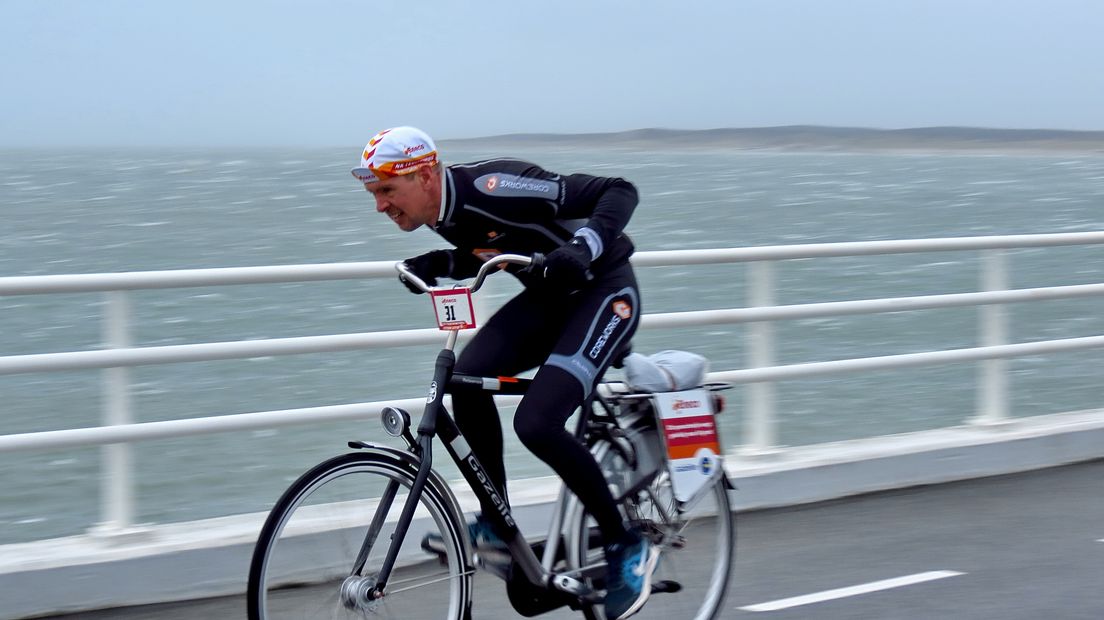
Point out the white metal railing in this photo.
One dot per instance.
(761, 372)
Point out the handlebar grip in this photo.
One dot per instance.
(411, 279)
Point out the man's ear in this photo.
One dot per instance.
(427, 176)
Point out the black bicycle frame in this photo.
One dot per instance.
(436, 422)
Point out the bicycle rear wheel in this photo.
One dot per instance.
(323, 543)
(696, 544)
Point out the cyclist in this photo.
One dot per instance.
(570, 320)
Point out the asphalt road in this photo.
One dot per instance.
(1019, 547)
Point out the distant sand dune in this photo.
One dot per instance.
(817, 138)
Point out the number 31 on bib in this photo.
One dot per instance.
(454, 309)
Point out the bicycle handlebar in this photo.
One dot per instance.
(533, 263)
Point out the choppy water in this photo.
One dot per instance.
(100, 211)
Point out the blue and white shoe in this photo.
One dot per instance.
(630, 566)
(485, 541)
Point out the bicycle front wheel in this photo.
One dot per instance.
(697, 543)
(322, 546)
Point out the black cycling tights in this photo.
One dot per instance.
(573, 339)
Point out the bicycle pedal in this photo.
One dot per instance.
(666, 585)
(434, 546)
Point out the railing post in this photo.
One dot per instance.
(116, 494)
(992, 401)
(759, 423)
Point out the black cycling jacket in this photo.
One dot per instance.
(508, 206)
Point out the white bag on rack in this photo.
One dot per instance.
(666, 371)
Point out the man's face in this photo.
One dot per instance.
(405, 199)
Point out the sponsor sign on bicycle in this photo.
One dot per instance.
(690, 434)
(454, 309)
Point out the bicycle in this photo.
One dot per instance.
(325, 551)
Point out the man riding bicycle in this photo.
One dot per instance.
(570, 320)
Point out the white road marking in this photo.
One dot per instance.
(864, 588)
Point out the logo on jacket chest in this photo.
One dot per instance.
(510, 185)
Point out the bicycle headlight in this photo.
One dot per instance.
(396, 422)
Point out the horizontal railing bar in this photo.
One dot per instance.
(136, 356)
(860, 248)
(866, 306)
(907, 360)
(210, 351)
(146, 431)
(180, 278)
(83, 283)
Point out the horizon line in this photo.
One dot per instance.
(1092, 134)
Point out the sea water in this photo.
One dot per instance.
(95, 211)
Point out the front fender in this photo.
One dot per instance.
(414, 461)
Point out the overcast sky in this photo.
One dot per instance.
(333, 72)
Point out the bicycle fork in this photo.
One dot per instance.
(353, 590)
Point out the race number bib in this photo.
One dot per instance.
(454, 309)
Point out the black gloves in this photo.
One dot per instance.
(568, 266)
(429, 267)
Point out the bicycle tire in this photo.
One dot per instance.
(701, 540)
(314, 533)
